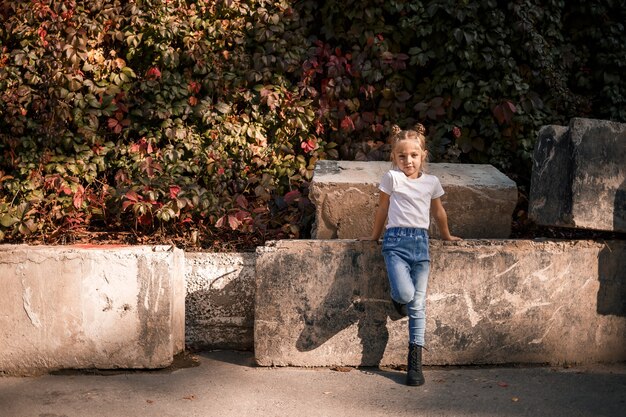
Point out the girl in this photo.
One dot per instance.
(408, 197)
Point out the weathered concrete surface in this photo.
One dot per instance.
(220, 300)
(479, 199)
(325, 302)
(90, 307)
(579, 176)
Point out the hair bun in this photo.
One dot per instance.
(395, 129)
(419, 128)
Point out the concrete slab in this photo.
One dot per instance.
(90, 307)
(227, 384)
(220, 300)
(325, 302)
(579, 176)
(479, 199)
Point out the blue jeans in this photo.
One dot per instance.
(408, 264)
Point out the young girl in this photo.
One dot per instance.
(408, 197)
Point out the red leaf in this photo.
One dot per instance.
(511, 107)
(78, 198)
(504, 112)
(308, 145)
(145, 219)
(242, 202)
(347, 123)
(132, 196)
(233, 222)
(242, 215)
(153, 73)
(220, 222)
(174, 190)
(292, 196)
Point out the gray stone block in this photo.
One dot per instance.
(326, 303)
(579, 176)
(479, 199)
(82, 307)
(220, 300)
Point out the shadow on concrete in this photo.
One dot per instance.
(612, 264)
(619, 209)
(221, 316)
(356, 297)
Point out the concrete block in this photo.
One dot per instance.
(479, 199)
(220, 300)
(579, 176)
(325, 303)
(90, 307)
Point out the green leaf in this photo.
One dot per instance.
(223, 107)
(8, 221)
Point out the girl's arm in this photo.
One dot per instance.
(439, 213)
(381, 216)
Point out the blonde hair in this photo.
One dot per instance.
(418, 134)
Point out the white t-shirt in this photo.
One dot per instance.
(409, 202)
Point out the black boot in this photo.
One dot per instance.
(400, 308)
(414, 376)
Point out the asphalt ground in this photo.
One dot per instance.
(229, 384)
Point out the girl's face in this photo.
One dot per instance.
(408, 156)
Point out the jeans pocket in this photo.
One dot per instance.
(392, 242)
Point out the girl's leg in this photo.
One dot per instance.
(400, 281)
(417, 305)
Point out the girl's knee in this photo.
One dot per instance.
(403, 297)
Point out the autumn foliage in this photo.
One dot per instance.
(196, 121)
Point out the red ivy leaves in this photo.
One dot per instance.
(347, 123)
(235, 220)
(131, 198)
(504, 112)
(153, 73)
(308, 145)
(118, 123)
(79, 196)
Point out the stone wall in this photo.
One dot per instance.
(90, 307)
(326, 302)
(220, 300)
(479, 199)
(318, 303)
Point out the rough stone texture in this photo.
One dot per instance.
(579, 176)
(479, 199)
(220, 300)
(325, 303)
(90, 307)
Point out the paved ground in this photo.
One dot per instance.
(227, 384)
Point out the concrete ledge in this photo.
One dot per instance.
(90, 307)
(220, 300)
(324, 303)
(479, 199)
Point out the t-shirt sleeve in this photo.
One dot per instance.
(437, 189)
(386, 183)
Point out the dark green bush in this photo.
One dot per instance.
(188, 118)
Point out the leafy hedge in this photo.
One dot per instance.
(188, 119)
